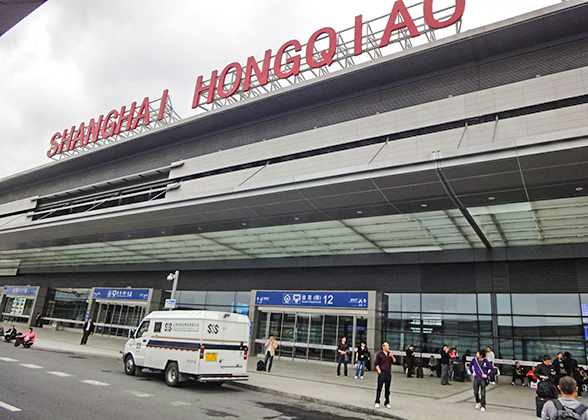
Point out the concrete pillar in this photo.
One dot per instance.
(38, 305)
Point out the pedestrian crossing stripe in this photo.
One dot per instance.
(31, 366)
(61, 374)
(96, 383)
(9, 407)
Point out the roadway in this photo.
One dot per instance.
(57, 385)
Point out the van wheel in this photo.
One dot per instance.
(130, 367)
(172, 374)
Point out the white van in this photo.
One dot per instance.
(208, 346)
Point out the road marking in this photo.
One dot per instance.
(139, 394)
(30, 366)
(62, 374)
(179, 403)
(96, 383)
(8, 359)
(9, 407)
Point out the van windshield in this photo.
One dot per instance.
(142, 329)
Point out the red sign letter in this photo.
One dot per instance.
(326, 55)
(358, 41)
(65, 139)
(236, 80)
(143, 114)
(199, 89)
(262, 75)
(399, 8)
(434, 23)
(109, 127)
(294, 60)
(54, 145)
(79, 138)
(122, 117)
(94, 130)
(162, 105)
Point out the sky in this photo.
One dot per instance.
(71, 60)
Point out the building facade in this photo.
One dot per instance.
(445, 184)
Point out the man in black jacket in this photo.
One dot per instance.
(546, 373)
(445, 365)
(88, 329)
(410, 360)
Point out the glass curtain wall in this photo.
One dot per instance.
(235, 302)
(527, 325)
(67, 304)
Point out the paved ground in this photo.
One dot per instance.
(412, 399)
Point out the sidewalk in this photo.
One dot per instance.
(411, 399)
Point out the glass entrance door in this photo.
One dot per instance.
(115, 319)
(309, 336)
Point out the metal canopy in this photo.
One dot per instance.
(523, 201)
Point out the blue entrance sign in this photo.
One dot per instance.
(313, 299)
(20, 290)
(126, 294)
(584, 310)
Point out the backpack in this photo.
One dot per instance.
(260, 366)
(564, 413)
(544, 390)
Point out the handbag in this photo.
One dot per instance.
(486, 379)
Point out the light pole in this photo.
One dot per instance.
(174, 276)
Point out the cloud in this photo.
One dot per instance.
(73, 60)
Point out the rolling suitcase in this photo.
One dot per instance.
(539, 403)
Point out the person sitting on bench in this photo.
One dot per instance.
(10, 334)
(26, 340)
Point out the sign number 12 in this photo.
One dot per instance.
(328, 299)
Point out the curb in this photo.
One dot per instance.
(304, 398)
(77, 353)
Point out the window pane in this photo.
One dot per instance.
(535, 349)
(220, 298)
(485, 325)
(484, 303)
(411, 302)
(546, 304)
(503, 303)
(191, 298)
(394, 301)
(445, 303)
(549, 328)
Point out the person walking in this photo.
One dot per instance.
(481, 369)
(383, 365)
(410, 360)
(361, 357)
(490, 356)
(559, 366)
(566, 405)
(270, 351)
(87, 329)
(342, 356)
(445, 365)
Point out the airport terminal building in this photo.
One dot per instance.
(438, 194)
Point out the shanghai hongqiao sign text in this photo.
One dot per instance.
(234, 77)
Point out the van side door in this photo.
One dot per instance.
(141, 340)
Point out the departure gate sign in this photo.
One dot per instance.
(358, 300)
